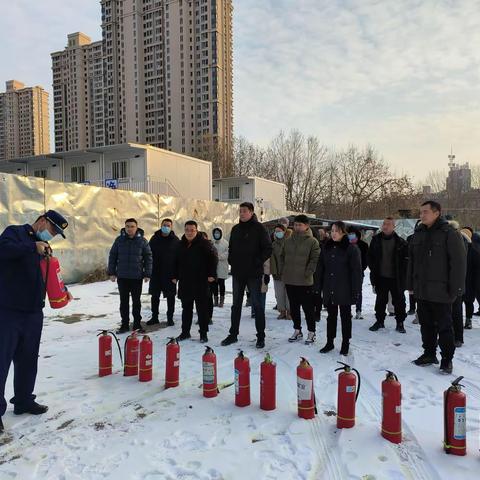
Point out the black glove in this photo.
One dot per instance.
(266, 279)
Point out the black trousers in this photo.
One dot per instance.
(218, 287)
(301, 296)
(345, 317)
(255, 288)
(19, 342)
(358, 306)
(383, 287)
(436, 326)
(411, 301)
(128, 287)
(469, 309)
(457, 319)
(156, 305)
(317, 304)
(210, 302)
(201, 305)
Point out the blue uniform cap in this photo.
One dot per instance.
(57, 220)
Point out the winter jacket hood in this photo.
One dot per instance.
(217, 230)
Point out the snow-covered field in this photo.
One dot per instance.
(119, 428)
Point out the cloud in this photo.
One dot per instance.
(354, 69)
(403, 75)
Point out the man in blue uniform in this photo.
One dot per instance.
(22, 295)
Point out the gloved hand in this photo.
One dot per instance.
(373, 290)
(266, 279)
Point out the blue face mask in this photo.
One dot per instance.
(44, 236)
(166, 230)
(279, 235)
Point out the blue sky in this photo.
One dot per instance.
(401, 75)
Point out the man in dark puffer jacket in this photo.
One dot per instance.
(436, 276)
(130, 262)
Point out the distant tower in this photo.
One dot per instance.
(459, 178)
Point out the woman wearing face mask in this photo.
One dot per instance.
(221, 245)
(276, 268)
(341, 276)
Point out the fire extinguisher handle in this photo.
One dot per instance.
(392, 374)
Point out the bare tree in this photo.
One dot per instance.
(437, 180)
(362, 176)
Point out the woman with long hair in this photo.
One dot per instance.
(341, 280)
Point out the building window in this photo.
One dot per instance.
(40, 173)
(233, 193)
(77, 174)
(119, 169)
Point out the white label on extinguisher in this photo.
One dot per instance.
(237, 382)
(350, 388)
(208, 373)
(398, 409)
(460, 423)
(176, 363)
(304, 389)
(108, 353)
(148, 363)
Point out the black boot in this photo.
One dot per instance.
(425, 359)
(34, 408)
(345, 347)
(138, 327)
(446, 366)
(229, 340)
(215, 301)
(153, 321)
(376, 326)
(222, 301)
(183, 336)
(329, 346)
(400, 328)
(468, 324)
(122, 329)
(170, 322)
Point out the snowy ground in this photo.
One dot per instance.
(119, 428)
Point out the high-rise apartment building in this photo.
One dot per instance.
(167, 78)
(78, 94)
(24, 127)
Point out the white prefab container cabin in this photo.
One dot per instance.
(129, 166)
(259, 191)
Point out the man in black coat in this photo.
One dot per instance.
(163, 244)
(195, 268)
(22, 295)
(130, 263)
(388, 261)
(436, 275)
(248, 249)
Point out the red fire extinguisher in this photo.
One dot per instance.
(242, 380)
(131, 355)
(172, 364)
(392, 408)
(146, 360)
(268, 384)
(455, 419)
(105, 352)
(54, 286)
(209, 366)
(305, 390)
(347, 395)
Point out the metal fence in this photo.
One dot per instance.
(96, 216)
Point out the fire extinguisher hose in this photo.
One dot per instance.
(116, 339)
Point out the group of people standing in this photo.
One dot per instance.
(311, 270)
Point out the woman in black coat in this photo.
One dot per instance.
(341, 281)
